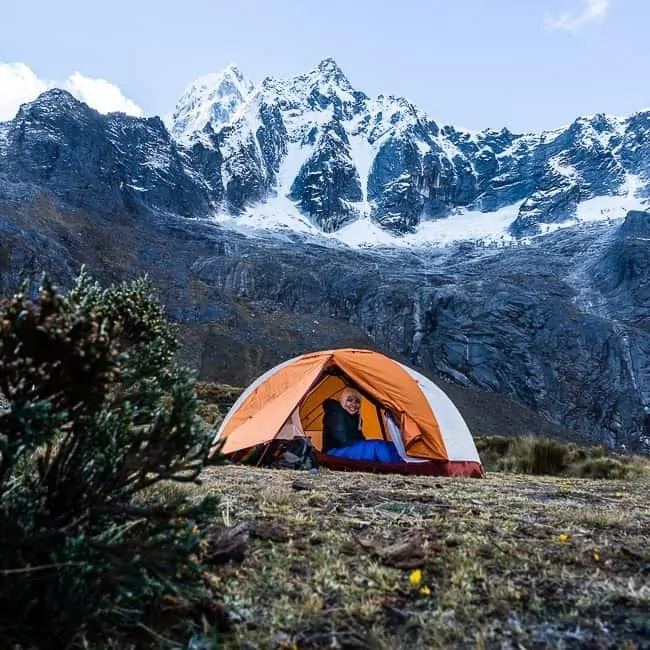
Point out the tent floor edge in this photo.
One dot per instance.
(464, 468)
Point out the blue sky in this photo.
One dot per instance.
(524, 64)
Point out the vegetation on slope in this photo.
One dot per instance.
(96, 412)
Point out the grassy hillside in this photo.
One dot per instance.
(347, 560)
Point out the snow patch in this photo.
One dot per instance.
(280, 214)
(297, 156)
(559, 167)
(276, 214)
(467, 225)
(363, 155)
(603, 208)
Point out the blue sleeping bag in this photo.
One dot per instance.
(370, 451)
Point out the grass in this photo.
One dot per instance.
(547, 456)
(543, 553)
(347, 560)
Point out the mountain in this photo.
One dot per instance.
(338, 157)
(212, 99)
(240, 212)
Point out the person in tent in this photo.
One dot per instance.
(343, 436)
(342, 421)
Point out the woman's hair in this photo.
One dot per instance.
(349, 392)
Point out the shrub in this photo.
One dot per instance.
(97, 411)
(492, 450)
(526, 455)
(602, 468)
(531, 455)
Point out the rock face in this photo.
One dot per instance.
(621, 274)
(107, 164)
(560, 323)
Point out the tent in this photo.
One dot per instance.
(399, 404)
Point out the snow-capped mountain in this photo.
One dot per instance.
(314, 147)
(212, 99)
(561, 325)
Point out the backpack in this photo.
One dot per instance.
(280, 454)
(290, 454)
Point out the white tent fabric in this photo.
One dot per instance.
(292, 428)
(453, 429)
(396, 437)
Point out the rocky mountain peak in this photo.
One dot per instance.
(55, 101)
(330, 70)
(393, 165)
(324, 88)
(211, 99)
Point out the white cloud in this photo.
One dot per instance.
(588, 12)
(18, 85)
(102, 95)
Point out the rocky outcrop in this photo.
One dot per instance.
(621, 274)
(107, 164)
(328, 183)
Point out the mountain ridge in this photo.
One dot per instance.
(339, 156)
(561, 324)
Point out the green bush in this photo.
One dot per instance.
(532, 455)
(602, 468)
(525, 454)
(97, 411)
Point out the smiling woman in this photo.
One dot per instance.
(342, 421)
(343, 435)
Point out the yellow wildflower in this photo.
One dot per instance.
(425, 591)
(596, 556)
(618, 495)
(416, 577)
(563, 538)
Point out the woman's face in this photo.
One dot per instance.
(352, 404)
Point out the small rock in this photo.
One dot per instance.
(269, 531)
(302, 484)
(406, 554)
(224, 543)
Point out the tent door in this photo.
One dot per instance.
(382, 423)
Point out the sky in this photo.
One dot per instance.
(528, 65)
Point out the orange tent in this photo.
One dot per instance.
(399, 405)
